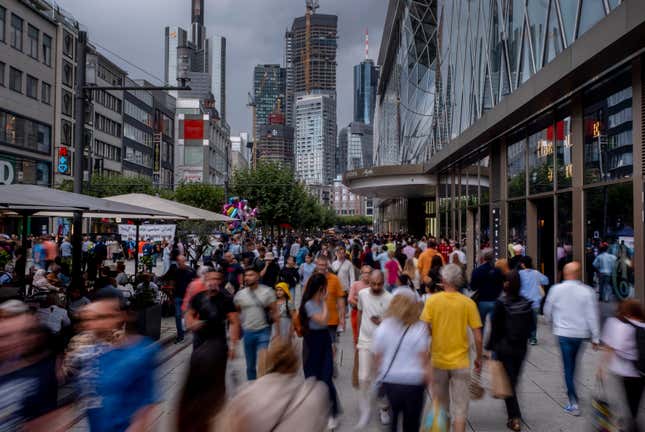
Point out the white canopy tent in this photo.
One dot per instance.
(167, 206)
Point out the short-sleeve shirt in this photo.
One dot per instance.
(370, 305)
(215, 327)
(407, 367)
(312, 309)
(334, 292)
(450, 314)
(252, 313)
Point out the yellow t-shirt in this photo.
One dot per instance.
(449, 314)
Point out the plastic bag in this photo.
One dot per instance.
(435, 419)
(500, 385)
(603, 418)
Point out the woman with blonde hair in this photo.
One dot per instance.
(400, 347)
(502, 265)
(413, 273)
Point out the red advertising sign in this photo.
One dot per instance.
(194, 129)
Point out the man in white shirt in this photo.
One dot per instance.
(344, 269)
(53, 316)
(372, 305)
(573, 309)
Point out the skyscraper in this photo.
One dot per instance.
(316, 137)
(365, 81)
(268, 86)
(275, 140)
(319, 60)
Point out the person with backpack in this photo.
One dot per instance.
(572, 307)
(511, 326)
(623, 339)
(487, 283)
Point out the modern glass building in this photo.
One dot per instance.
(365, 80)
(269, 86)
(501, 121)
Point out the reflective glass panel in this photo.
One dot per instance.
(537, 13)
(564, 148)
(564, 231)
(569, 10)
(541, 161)
(517, 222)
(516, 169)
(591, 12)
(553, 37)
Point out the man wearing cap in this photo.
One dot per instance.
(271, 270)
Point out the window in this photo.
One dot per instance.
(107, 126)
(20, 132)
(193, 155)
(46, 93)
(138, 114)
(516, 169)
(66, 133)
(68, 45)
(47, 49)
(564, 152)
(136, 134)
(67, 103)
(68, 74)
(541, 161)
(16, 31)
(3, 14)
(33, 34)
(108, 101)
(2, 67)
(32, 87)
(15, 80)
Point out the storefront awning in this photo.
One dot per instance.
(392, 181)
(168, 206)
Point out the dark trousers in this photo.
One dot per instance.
(513, 366)
(633, 391)
(406, 400)
(319, 362)
(570, 347)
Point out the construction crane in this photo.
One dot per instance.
(312, 5)
(252, 103)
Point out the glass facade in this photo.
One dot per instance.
(365, 80)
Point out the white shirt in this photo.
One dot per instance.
(370, 305)
(572, 308)
(54, 318)
(345, 272)
(621, 337)
(407, 367)
(457, 257)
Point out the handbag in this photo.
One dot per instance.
(267, 311)
(500, 385)
(380, 391)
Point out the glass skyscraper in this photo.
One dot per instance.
(365, 80)
(269, 81)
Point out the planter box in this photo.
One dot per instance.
(149, 322)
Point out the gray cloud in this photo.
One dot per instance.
(254, 30)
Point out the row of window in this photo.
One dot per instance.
(142, 116)
(138, 157)
(107, 125)
(108, 100)
(106, 151)
(24, 133)
(136, 134)
(32, 84)
(35, 47)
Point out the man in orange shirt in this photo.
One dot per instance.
(425, 259)
(335, 298)
(51, 251)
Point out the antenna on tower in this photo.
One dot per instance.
(367, 44)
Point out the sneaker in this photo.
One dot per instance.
(384, 414)
(332, 423)
(533, 341)
(179, 340)
(572, 409)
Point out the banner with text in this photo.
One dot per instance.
(152, 232)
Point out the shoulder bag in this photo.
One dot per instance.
(380, 390)
(267, 310)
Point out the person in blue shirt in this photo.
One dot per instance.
(301, 254)
(532, 283)
(604, 264)
(116, 372)
(382, 257)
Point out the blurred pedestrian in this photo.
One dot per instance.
(532, 288)
(344, 269)
(486, 282)
(184, 275)
(512, 323)
(358, 286)
(286, 310)
(392, 270)
(317, 343)
(289, 275)
(403, 366)
(573, 309)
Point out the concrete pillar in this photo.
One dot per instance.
(577, 179)
(637, 134)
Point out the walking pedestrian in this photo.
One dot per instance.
(604, 264)
(289, 275)
(532, 289)
(619, 338)
(184, 276)
(392, 270)
(286, 310)
(357, 287)
(317, 343)
(344, 269)
(425, 261)
(335, 299)
(257, 305)
(403, 366)
(512, 323)
(449, 315)
(573, 309)
(372, 305)
(486, 282)
(204, 391)
(306, 268)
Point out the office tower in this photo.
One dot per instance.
(315, 138)
(268, 87)
(365, 81)
(318, 57)
(356, 146)
(275, 140)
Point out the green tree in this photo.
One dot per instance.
(204, 196)
(104, 186)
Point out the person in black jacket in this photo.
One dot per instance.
(290, 275)
(487, 282)
(511, 326)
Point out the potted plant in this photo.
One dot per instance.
(148, 310)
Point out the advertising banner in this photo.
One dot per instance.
(152, 232)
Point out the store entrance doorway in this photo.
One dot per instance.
(544, 260)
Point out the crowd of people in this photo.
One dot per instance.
(421, 327)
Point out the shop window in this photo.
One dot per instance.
(516, 166)
(541, 161)
(609, 217)
(608, 138)
(564, 232)
(564, 152)
(517, 222)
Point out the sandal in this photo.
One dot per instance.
(514, 424)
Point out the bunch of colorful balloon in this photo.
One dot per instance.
(245, 217)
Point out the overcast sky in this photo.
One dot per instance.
(254, 30)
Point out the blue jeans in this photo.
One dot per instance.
(570, 347)
(606, 287)
(536, 311)
(485, 308)
(254, 341)
(178, 316)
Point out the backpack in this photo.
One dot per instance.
(519, 321)
(639, 334)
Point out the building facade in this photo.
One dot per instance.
(238, 153)
(345, 202)
(163, 150)
(138, 132)
(357, 145)
(315, 138)
(526, 127)
(269, 87)
(365, 81)
(275, 141)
